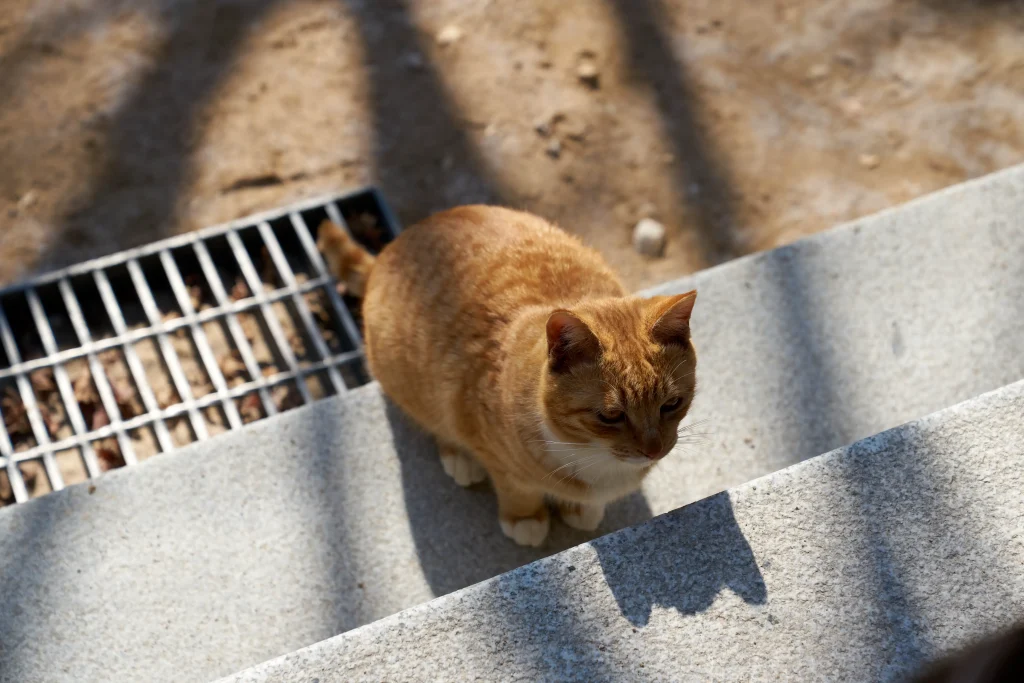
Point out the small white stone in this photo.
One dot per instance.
(869, 161)
(851, 107)
(649, 238)
(448, 35)
(588, 73)
(818, 72)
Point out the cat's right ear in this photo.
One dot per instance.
(570, 341)
(672, 322)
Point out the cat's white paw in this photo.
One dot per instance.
(583, 517)
(462, 468)
(528, 531)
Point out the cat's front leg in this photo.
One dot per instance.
(523, 515)
(460, 465)
(583, 516)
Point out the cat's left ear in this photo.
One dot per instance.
(570, 341)
(672, 318)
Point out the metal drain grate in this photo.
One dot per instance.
(111, 361)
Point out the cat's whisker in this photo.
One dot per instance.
(577, 472)
(585, 451)
(673, 371)
(689, 429)
(572, 473)
(575, 450)
(568, 446)
(697, 434)
(568, 464)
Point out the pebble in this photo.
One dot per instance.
(649, 238)
(27, 200)
(869, 160)
(554, 149)
(818, 71)
(448, 35)
(847, 59)
(851, 107)
(588, 73)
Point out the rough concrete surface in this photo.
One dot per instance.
(249, 546)
(858, 565)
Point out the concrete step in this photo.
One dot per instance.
(858, 565)
(257, 543)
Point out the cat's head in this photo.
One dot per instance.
(620, 376)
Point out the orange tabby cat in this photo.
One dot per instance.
(520, 351)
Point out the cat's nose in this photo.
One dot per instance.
(652, 446)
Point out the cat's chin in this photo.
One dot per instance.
(635, 462)
(596, 465)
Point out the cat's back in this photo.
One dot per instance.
(510, 258)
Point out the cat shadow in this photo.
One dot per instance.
(455, 530)
(689, 556)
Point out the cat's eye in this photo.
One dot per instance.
(611, 417)
(671, 404)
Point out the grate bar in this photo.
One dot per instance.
(99, 376)
(167, 327)
(234, 327)
(317, 261)
(200, 340)
(167, 350)
(179, 409)
(28, 399)
(60, 374)
(7, 461)
(132, 359)
(252, 278)
(288, 277)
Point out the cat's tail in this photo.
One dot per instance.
(346, 259)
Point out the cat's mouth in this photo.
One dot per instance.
(635, 459)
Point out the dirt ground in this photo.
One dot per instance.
(739, 125)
